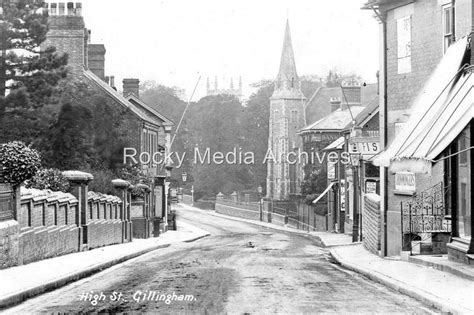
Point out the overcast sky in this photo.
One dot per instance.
(173, 41)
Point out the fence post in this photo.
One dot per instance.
(79, 182)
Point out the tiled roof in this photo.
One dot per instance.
(319, 106)
(369, 110)
(335, 121)
(148, 109)
(140, 113)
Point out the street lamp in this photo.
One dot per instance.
(260, 190)
(184, 176)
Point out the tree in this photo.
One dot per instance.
(28, 75)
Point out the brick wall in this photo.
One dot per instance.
(9, 243)
(371, 227)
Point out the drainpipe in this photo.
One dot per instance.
(383, 20)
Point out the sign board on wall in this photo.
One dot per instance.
(342, 189)
(405, 182)
(364, 147)
(370, 187)
(331, 171)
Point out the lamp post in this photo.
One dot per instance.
(260, 190)
(355, 161)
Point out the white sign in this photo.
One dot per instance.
(331, 171)
(370, 187)
(364, 147)
(404, 44)
(405, 181)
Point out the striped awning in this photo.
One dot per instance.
(439, 114)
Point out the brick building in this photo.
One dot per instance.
(142, 127)
(425, 126)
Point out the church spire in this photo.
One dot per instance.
(287, 63)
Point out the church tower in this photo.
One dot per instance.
(287, 116)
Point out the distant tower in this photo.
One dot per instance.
(287, 116)
(232, 90)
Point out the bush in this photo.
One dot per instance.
(18, 162)
(102, 182)
(49, 178)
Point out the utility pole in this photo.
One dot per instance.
(3, 43)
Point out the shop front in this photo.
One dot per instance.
(437, 140)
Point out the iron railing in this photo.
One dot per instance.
(424, 213)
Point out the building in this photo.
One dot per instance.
(144, 129)
(327, 99)
(426, 112)
(232, 90)
(287, 117)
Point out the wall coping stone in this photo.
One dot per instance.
(78, 176)
(120, 183)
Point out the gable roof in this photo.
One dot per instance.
(151, 111)
(335, 121)
(369, 111)
(136, 110)
(319, 105)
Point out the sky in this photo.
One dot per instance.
(174, 42)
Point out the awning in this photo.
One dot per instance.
(438, 115)
(324, 193)
(336, 145)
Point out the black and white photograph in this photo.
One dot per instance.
(236, 157)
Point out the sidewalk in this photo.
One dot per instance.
(21, 282)
(446, 291)
(324, 239)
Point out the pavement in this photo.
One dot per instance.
(436, 281)
(444, 290)
(22, 282)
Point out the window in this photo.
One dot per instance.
(404, 44)
(294, 118)
(448, 26)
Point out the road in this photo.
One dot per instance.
(240, 268)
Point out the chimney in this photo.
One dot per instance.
(335, 103)
(96, 56)
(131, 86)
(351, 94)
(68, 34)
